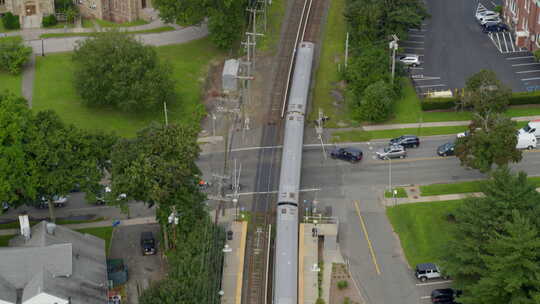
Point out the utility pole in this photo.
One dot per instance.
(346, 50)
(393, 46)
(319, 129)
(165, 111)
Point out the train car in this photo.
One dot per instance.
(286, 244)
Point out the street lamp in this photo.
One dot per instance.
(389, 173)
(393, 45)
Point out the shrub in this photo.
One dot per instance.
(320, 301)
(377, 102)
(346, 300)
(10, 21)
(49, 21)
(342, 284)
(13, 54)
(537, 55)
(443, 103)
(521, 98)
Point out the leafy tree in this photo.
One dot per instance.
(10, 21)
(367, 68)
(226, 18)
(491, 140)
(485, 93)
(13, 54)
(113, 69)
(377, 102)
(49, 21)
(480, 223)
(17, 170)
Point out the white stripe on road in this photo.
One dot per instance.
(425, 297)
(521, 57)
(431, 86)
(522, 64)
(530, 71)
(416, 68)
(534, 78)
(271, 192)
(511, 41)
(419, 36)
(426, 78)
(412, 48)
(417, 30)
(434, 283)
(410, 41)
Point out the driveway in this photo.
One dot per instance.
(142, 270)
(452, 48)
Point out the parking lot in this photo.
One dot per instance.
(142, 270)
(452, 47)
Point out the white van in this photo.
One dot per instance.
(526, 141)
(532, 127)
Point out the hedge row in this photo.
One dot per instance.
(446, 103)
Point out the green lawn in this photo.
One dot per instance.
(4, 240)
(11, 83)
(101, 232)
(270, 39)
(423, 229)
(86, 34)
(54, 90)
(327, 74)
(400, 193)
(359, 135)
(105, 23)
(462, 187)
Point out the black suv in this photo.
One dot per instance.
(348, 154)
(148, 243)
(444, 296)
(407, 141)
(494, 27)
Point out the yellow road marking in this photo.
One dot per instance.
(363, 225)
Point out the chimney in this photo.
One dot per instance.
(50, 228)
(25, 226)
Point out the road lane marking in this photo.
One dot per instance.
(522, 64)
(426, 78)
(530, 71)
(419, 36)
(434, 283)
(521, 57)
(271, 192)
(411, 41)
(412, 48)
(373, 257)
(527, 79)
(425, 297)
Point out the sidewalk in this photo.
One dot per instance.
(430, 124)
(126, 222)
(413, 196)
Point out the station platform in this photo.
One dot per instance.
(233, 266)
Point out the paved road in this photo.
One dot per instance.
(66, 44)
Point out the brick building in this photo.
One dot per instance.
(523, 16)
(116, 10)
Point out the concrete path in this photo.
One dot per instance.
(126, 222)
(28, 79)
(430, 124)
(67, 44)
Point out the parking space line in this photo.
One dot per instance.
(511, 41)
(530, 71)
(499, 41)
(418, 36)
(363, 225)
(431, 86)
(426, 78)
(416, 68)
(417, 30)
(522, 64)
(416, 42)
(412, 48)
(520, 57)
(434, 283)
(425, 297)
(534, 78)
(505, 43)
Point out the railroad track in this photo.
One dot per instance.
(257, 287)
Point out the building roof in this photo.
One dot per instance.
(66, 264)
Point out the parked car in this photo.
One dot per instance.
(532, 127)
(463, 134)
(413, 60)
(407, 141)
(428, 271)
(526, 141)
(446, 149)
(444, 296)
(349, 154)
(481, 15)
(492, 27)
(148, 243)
(392, 151)
(487, 19)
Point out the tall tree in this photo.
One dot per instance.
(377, 102)
(485, 93)
(479, 220)
(115, 70)
(492, 140)
(13, 54)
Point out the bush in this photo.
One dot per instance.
(13, 54)
(49, 21)
(342, 284)
(443, 103)
(537, 55)
(320, 301)
(347, 300)
(10, 21)
(377, 102)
